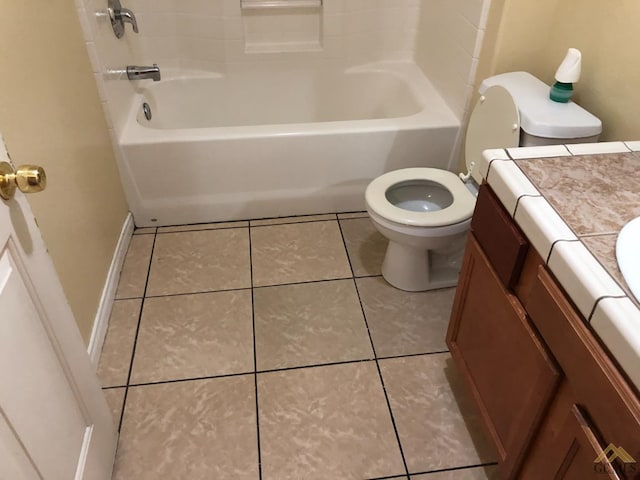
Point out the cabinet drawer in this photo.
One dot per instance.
(594, 379)
(501, 240)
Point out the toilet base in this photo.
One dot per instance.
(415, 269)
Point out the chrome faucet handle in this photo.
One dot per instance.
(119, 16)
(129, 17)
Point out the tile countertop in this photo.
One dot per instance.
(571, 201)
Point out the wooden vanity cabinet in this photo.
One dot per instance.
(549, 396)
(566, 445)
(596, 406)
(507, 367)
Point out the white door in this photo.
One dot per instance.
(54, 420)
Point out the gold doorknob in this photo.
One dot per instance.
(27, 178)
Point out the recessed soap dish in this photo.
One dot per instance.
(267, 4)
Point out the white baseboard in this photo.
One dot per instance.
(101, 321)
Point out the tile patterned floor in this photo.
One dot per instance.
(273, 349)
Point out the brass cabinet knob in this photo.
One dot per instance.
(27, 178)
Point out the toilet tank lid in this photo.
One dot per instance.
(539, 115)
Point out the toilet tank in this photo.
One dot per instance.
(543, 121)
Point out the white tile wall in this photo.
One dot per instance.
(215, 35)
(106, 52)
(208, 32)
(449, 38)
(280, 30)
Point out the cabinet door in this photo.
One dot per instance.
(577, 449)
(595, 381)
(568, 447)
(511, 376)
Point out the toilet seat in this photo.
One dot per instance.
(460, 210)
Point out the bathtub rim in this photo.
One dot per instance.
(435, 112)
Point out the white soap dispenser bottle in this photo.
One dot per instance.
(567, 74)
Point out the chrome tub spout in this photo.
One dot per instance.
(135, 72)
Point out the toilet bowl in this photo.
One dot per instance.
(425, 213)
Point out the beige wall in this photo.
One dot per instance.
(50, 115)
(535, 35)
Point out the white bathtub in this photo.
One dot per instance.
(266, 144)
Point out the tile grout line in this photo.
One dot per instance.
(375, 356)
(255, 357)
(455, 469)
(256, 372)
(186, 225)
(293, 223)
(392, 477)
(410, 355)
(231, 227)
(135, 339)
(275, 370)
(384, 388)
(201, 292)
(213, 229)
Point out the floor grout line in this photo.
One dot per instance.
(304, 283)
(248, 220)
(249, 288)
(335, 219)
(318, 365)
(374, 359)
(202, 227)
(368, 276)
(410, 355)
(373, 348)
(195, 227)
(200, 292)
(214, 229)
(182, 380)
(255, 357)
(135, 338)
(126, 298)
(275, 370)
(391, 477)
(455, 469)
(384, 388)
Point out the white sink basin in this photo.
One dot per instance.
(628, 255)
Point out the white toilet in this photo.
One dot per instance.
(426, 212)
